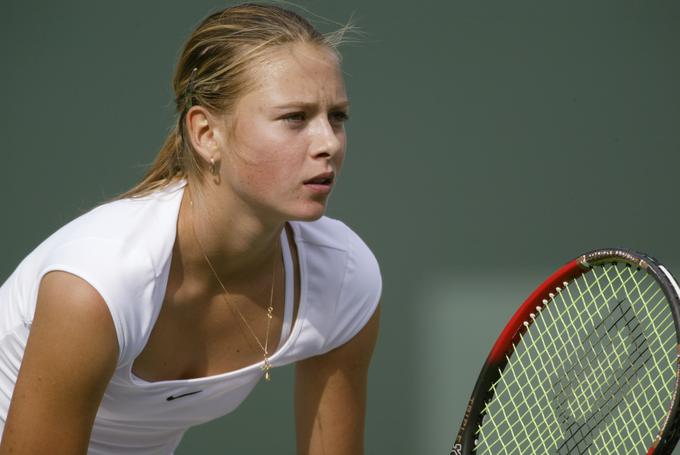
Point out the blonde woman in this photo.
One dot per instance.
(162, 309)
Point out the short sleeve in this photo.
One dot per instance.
(359, 295)
(123, 276)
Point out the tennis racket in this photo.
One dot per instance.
(587, 365)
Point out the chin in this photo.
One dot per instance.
(308, 213)
(308, 216)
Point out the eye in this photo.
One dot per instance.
(294, 117)
(338, 117)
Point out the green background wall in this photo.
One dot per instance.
(490, 142)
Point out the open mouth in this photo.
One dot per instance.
(322, 179)
(326, 181)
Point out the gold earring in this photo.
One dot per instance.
(212, 168)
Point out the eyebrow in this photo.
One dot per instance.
(305, 105)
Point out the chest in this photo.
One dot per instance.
(200, 334)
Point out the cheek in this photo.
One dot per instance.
(269, 168)
(264, 156)
(272, 174)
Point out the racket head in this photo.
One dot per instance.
(515, 337)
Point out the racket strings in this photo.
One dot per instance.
(590, 287)
(551, 340)
(613, 351)
(573, 394)
(592, 374)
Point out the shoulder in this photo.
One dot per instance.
(120, 249)
(359, 266)
(145, 224)
(123, 277)
(325, 232)
(342, 269)
(330, 233)
(129, 233)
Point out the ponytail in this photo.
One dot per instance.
(166, 168)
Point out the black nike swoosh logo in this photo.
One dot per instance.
(174, 397)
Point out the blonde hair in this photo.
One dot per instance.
(212, 71)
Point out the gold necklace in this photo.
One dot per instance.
(266, 366)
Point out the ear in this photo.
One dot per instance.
(205, 132)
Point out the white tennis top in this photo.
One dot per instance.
(123, 249)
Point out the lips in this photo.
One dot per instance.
(322, 179)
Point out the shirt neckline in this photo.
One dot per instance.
(293, 327)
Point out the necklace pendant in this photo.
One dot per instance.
(266, 367)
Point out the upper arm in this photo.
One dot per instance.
(330, 396)
(70, 356)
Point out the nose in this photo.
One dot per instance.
(327, 140)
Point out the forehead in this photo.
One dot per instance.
(300, 72)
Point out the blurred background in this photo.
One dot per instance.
(489, 143)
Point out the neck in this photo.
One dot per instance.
(236, 240)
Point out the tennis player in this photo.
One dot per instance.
(162, 309)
